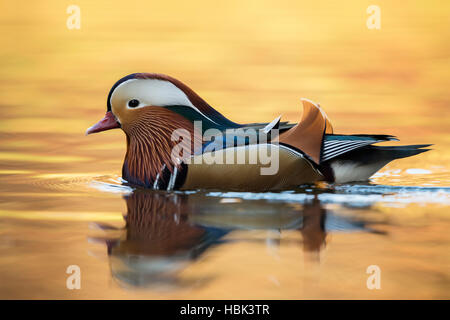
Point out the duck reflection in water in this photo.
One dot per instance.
(157, 241)
(165, 232)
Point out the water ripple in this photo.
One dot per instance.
(354, 194)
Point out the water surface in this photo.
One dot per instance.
(62, 202)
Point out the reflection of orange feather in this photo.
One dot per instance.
(149, 143)
(307, 135)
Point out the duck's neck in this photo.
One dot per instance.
(150, 145)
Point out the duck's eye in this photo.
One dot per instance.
(133, 103)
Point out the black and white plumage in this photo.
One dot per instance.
(361, 163)
(335, 145)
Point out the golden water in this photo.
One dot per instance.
(61, 202)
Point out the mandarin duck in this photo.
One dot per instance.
(160, 114)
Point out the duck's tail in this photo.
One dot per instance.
(361, 164)
(398, 152)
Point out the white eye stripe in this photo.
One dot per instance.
(153, 92)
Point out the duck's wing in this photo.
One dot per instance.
(282, 125)
(335, 145)
(248, 134)
(307, 135)
(314, 136)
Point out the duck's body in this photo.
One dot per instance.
(169, 131)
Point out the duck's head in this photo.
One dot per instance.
(138, 94)
(149, 107)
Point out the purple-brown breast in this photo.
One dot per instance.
(149, 143)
